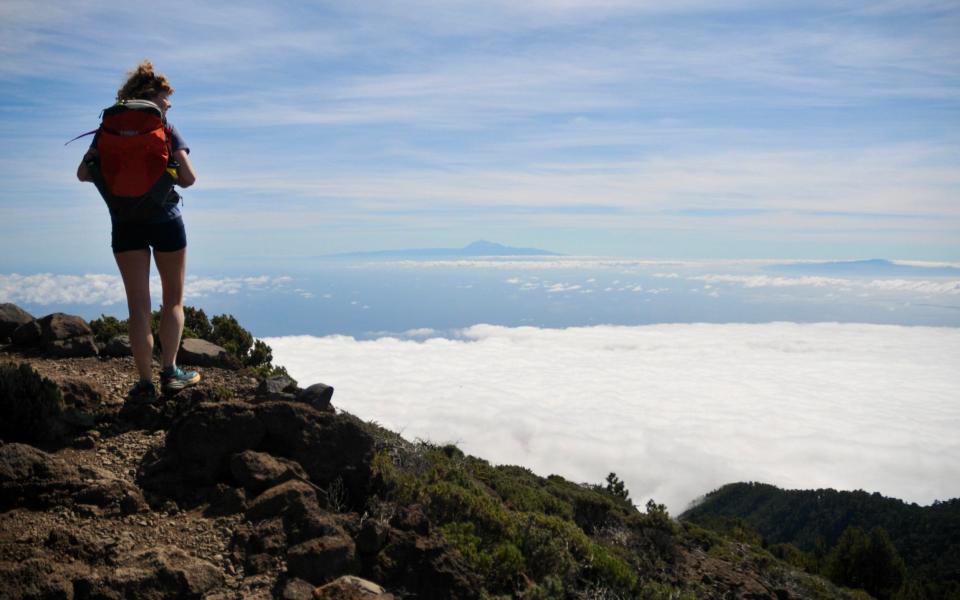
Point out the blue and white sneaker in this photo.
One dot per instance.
(174, 379)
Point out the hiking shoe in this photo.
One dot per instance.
(143, 390)
(174, 379)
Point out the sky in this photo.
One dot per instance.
(691, 129)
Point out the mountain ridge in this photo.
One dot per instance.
(474, 249)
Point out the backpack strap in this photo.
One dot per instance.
(84, 135)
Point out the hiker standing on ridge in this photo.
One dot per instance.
(135, 159)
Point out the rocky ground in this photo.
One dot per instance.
(78, 523)
(244, 487)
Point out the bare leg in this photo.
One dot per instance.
(135, 270)
(173, 269)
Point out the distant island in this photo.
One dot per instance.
(478, 248)
(873, 267)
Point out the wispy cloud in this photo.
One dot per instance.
(917, 286)
(47, 288)
(606, 116)
(676, 410)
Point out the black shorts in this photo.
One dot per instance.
(168, 236)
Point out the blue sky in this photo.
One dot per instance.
(686, 129)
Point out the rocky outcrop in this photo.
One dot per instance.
(11, 317)
(58, 335)
(201, 448)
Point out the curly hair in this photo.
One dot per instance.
(142, 83)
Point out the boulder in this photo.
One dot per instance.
(115, 493)
(32, 478)
(34, 578)
(289, 498)
(205, 438)
(268, 537)
(27, 334)
(428, 567)
(372, 537)
(78, 347)
(60, 326)
(11, 317)
(30, 405)
(329, 447)
(320, 559)
(155, 573)
(225, 500)
(297, 589)
(117, 347)
(201, 353)
(318, 396)
(257, 471)
(81, 402)
(349, 587)
(36, 409)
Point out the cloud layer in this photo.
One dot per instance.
(47, 288)
(675, 410)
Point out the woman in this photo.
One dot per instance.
(163, 231)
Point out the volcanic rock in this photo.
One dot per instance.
(11, 317)
(257, 471)
(349, 587)
(291, 497)
(322, 558)
(330, 448)
(30, 405)
(156, 573)
(32, 478)
(34, 578)
(201, 353)
(118, 346)
(277, 388)
(60, 326)
(297, 589)
(27, 334)
(318, 396)
(205, 438)
(75, 347)
(81, 402)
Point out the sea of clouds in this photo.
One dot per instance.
(675, 409)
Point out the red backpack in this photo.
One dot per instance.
(134, 168)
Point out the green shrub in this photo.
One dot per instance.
(551, 546)
(609, 568)
(106, 328)
(196, 324)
